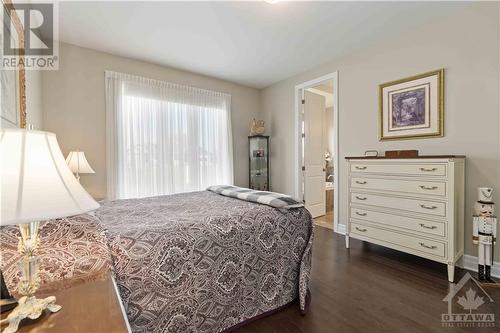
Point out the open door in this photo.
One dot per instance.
(314, 150)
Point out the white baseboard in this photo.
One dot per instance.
(467, 261)
(470, 262)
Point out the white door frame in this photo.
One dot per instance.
(299, 92)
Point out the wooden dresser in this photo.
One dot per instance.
(414, 205)
(90, 307)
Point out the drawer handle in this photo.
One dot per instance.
(428, 207)
(360, 182)
(423, 187)
(428, 170)
(360, 167)
(359, 229)
(361, 198)
(427, 227)
(432, 247)
(360, 214)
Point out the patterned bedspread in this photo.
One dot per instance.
(193, 262)
(202, 262)
(72, 250)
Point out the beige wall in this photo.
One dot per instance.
(466, 44)
(34, 105)
(74, 106)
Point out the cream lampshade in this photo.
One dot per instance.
(36, 185)
(36, 182)
(78, 163)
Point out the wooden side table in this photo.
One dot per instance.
(90, 307)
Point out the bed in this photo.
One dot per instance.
(197, 262)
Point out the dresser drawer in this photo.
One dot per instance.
(409, 223)
(397, 185)
(433, 208)
(418, 244)
(417, 169)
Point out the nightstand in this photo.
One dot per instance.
(89, 307)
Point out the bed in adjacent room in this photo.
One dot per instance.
(199, 261)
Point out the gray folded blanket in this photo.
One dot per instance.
(276, 200)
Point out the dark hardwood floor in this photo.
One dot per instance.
(369, 288)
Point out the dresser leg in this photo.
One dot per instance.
(346, 241)
(451, 272)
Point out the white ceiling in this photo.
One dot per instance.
(252, 43)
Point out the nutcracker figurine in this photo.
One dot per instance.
(484, 230)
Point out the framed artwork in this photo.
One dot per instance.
(258, 153)
(13, 81)
(413, 107)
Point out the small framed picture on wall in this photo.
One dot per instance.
(413, 107)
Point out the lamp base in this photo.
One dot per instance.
(29, 307)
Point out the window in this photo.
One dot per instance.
(165, 138)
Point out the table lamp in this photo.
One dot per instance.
(36, 185)
(78, 163)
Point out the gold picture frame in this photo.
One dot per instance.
(412, 108)
(17, 88)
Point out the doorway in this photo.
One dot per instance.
(316, 149)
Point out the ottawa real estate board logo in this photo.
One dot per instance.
(29, 35)
(469, 305)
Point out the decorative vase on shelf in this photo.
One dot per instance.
(257, 127)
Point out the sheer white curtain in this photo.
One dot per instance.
(165, 138)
